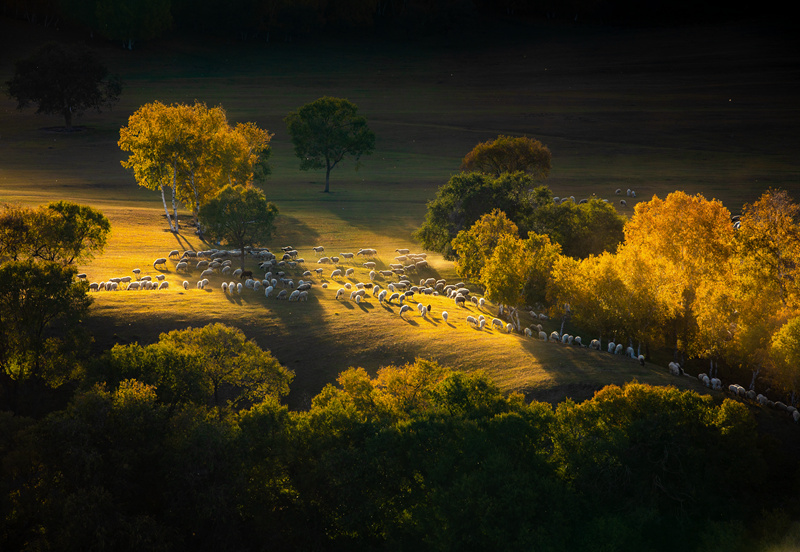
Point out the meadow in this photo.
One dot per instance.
(709, 111)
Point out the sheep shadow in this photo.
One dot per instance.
(410, 321)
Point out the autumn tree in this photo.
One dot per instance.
(474, 246)
(507, 154)
(239, 216)
(326, 131)
(190, 152)
(518, 271)
(63, 80)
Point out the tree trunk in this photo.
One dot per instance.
(327, 179)
(166, 209)
(755, 376)
(174, 201)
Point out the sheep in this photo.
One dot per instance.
(618, 349)
(174, 253)
(239, 287)
(293, 296)
(707, 382)
(716, 384)
(225, 270)
(543, 316)
(481, 323)
(370, 265)
(444, 315)
(509, 327)
(701, 376)
(165, 285)
(675, 369)
(796, 416)
(528, 332)
(133, 286)
(340, 292)
(554, 336)
(268, 291)
(761, 399)
(318, 249)
(595, 344)
(375, 290)
(565, 339)
(185, 284)
(394, 296)
(629, 352)
(224, 287)
(472, 320)
(611, 347)
(623, 202)
(160, 261)
(324, 260)
(371, 275)
(282, 295)
(577, 341)
(460, 300)
(618, 191)
(245, 274)
(641, 360)
(402, 251)
(382, 296)
(403, 309)
(349, 272)
(160, 277)
(751, 394)
(335, 260)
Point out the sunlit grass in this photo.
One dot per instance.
(609, 125)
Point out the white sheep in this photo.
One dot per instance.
(497, 322)
(641, 360)
(224, 287)
(595, 344)
(554, 336)
(565, 339)
(186, 284)
(165, 285)
(404, 308)
(796, 416)
(630, 352)
(349, 272)
(509, 327)
(340, 292)
(618, 349)
(382, 296)
(402, 251)
(335, 273)
(472, 320)
(674, 368)
(611, 347)
(183, 265)
(134, 286)
(268, 291)
(528, 332)
(543, 336)
(174, 253)
(716, 384)
(393, 297)
(444, 315)
(369, 265)
(577, 341)
(160, 261)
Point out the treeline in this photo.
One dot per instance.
(418, 457)
(134, 20)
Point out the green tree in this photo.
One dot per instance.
(41, 306)
(326, 131)
(131, 20)
(63, 80)
(240, 216)
(475, 245)
(62, 232)
(231, 363)
(466, 198)
(507, 154)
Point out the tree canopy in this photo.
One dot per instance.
(63, 80)
(507, 154)
(191, 151)
(62, 232)
(239, 216)
(326, 131)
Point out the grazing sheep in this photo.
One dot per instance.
(293, 296)
(618, 349)
(134, 286)
(268, 290)
(528, 332)
(403, 309)
(444, 315)
(369, 265)
(611, 347)
(335, 260)
(630, 352)
(577, 341)
(283, 294)
(796, 416)
(382, 296)
(543, 316)
(623, 202)
(472, 320)
(165, 285)
(160, 261)
(565, 339)
(402, 251)
(675, 369)
(226, 270)
(618, 191)
(761, 399)
(337, 272)
(509, 327)
(716, 384)
(554, 336)
(460, 300)
(174, 253)
(393, 297)
(340, 292)
(185, 284)
(324, 260)
(641, 360)
(224, 287)
(318, 249)
(349, 272)
(595, 344)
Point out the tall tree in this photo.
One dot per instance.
(63, 80)
(192, 151)
(474, 246)
(239, 216)
(509, 154)
(326, 131)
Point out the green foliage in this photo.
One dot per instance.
(507, 154)
(326, 131)
(240, 216)
(465, 199)
(41, 305)
(474, 246)
(63, 80)
(518, 272)
(61, 232)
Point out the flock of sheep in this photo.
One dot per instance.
(288, 277)
(618, 191)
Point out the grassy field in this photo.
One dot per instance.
(702, 110)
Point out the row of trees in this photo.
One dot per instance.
(417, 457)
(686, 277)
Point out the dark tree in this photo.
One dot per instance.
(63, 80)
(326, 131)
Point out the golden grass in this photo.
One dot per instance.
(610, 119)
